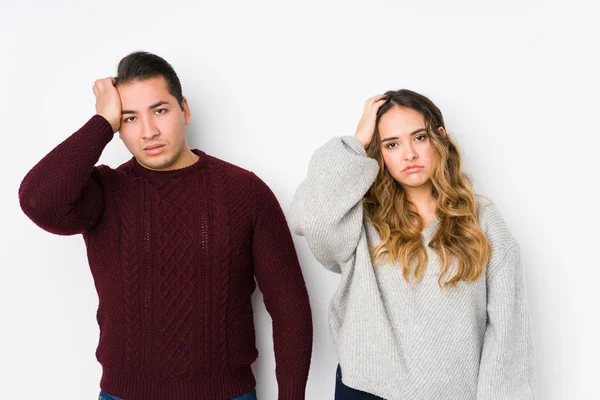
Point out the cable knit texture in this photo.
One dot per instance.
(175, 256)
(399, 341)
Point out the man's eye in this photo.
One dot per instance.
(161, 111)
(129, 119)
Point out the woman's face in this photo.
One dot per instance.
(406, 147)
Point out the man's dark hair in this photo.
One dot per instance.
(141, 65)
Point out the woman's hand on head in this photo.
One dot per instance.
(366, 125)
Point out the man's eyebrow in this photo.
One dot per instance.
(412, 134)
(157, 104)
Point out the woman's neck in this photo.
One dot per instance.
(424, 201)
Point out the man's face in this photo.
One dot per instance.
(153, 124)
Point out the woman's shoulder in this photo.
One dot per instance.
(493, 224)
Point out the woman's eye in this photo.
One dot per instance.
(390, 145)
(421, 138)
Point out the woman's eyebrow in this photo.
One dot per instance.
(413, 133)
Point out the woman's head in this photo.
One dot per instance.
(411, 143)
(414, 151)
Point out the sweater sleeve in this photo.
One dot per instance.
(327, 207)
(281, 282)
(507, 362)
(60, 193)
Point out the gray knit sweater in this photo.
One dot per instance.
(413, 342)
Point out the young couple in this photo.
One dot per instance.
(431, 302)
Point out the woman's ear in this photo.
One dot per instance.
(442, 131)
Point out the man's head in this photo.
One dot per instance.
(154, 112)
(141, 65)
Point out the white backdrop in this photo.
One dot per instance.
(270, 81)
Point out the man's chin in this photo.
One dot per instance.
(156, 163)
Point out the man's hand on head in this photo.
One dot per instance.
(108, 102)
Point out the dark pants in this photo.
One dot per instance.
(251, 395)
(343, 392)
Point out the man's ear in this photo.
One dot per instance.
(186, 111)
(442, 131)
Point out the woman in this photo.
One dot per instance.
(431, 302)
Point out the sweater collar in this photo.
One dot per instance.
(430, 229)
(148, 173)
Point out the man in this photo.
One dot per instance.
(175, 238)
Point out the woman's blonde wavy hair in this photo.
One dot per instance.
(458, 236)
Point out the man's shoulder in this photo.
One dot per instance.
(125, 168)
(229, 170)
(107, 174)
(106, 171)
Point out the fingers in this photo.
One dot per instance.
(376, 98)
(373, 103)
(108, 102)
(379, 103)
(103, 86)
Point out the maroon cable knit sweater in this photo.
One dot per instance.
(174, 255)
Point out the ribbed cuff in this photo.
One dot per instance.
(292, 390)
(354, 144)
(98, 125)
